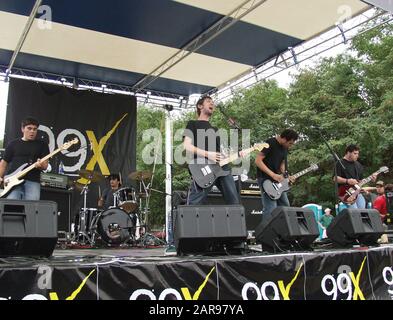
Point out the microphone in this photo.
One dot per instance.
(168, 107)
(231, 121)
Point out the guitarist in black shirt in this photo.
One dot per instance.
(271, 165)
(20, 153)
(351, 177)
(202, 143)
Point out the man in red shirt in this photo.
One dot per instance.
(380, 202)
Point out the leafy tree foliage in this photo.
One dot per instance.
(349, 98)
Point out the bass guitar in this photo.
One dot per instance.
(275, 189)
(205, 174)
(15, 178)
(348, 194)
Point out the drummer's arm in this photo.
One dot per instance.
(100, 202)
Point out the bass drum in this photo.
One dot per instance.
(114, 226)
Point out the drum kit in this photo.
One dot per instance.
(123, 223)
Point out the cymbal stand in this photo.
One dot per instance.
(83, 219)
(146, 238)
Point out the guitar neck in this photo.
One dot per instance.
(368, 179)
(303, 172)
(235, 156)
(32, 166)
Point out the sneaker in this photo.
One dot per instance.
(170, 250)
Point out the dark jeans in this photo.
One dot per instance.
(198, 195)
(268, 204)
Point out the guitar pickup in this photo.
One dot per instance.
(206, 170)
(277, 185)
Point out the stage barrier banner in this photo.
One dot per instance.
(336, 275)
(105, 125)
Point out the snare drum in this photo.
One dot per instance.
(126, 199)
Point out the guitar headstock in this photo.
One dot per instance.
(383, 169)
(69, 144)
(260, 146)
(314, 167)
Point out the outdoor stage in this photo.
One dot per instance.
(141, 273)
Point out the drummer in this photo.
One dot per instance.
(107, 198)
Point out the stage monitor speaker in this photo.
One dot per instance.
(27, 228)
(289, 228)
(210, 229)
(355, 226)
(63, 200)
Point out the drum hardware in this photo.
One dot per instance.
(84, 222)
(142, 223)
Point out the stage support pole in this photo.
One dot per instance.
(168, 180)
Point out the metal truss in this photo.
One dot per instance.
(146, 97)
(23, 36)
(342, 34)
(206, 36)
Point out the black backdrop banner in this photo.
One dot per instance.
(105, 125)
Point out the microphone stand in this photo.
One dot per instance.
(233, 124)
(336, 160)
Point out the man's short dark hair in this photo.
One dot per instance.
(289, 134)
(114, 176)
(200, 102)
(352, 148)
(30, 120)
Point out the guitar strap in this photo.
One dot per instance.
(286, 174)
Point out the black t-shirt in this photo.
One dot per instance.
(20, 152)
(274, 156)
(203, 135)
(107, 195)
(353, 170)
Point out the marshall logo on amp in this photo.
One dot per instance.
(250, 187)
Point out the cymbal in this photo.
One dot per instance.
(91, 175)
(77, 186)
(140, 175)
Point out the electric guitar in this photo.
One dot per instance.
(14, 179)
(275, 189)
(204, 174)
(348, 194)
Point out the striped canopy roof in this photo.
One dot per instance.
(122, 42)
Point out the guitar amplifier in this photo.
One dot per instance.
(215, 190)
(250, 188)
(54, 180)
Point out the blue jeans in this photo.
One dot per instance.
(226, 184)
(268, 204)
(359, 204)
(29, 190)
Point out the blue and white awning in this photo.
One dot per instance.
(122, 41)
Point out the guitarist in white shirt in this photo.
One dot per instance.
(270, 164)
(201, 140)
(25, 150)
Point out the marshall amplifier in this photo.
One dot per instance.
(250, 188)
(215, 190)
(252, 206)
(54, 180)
